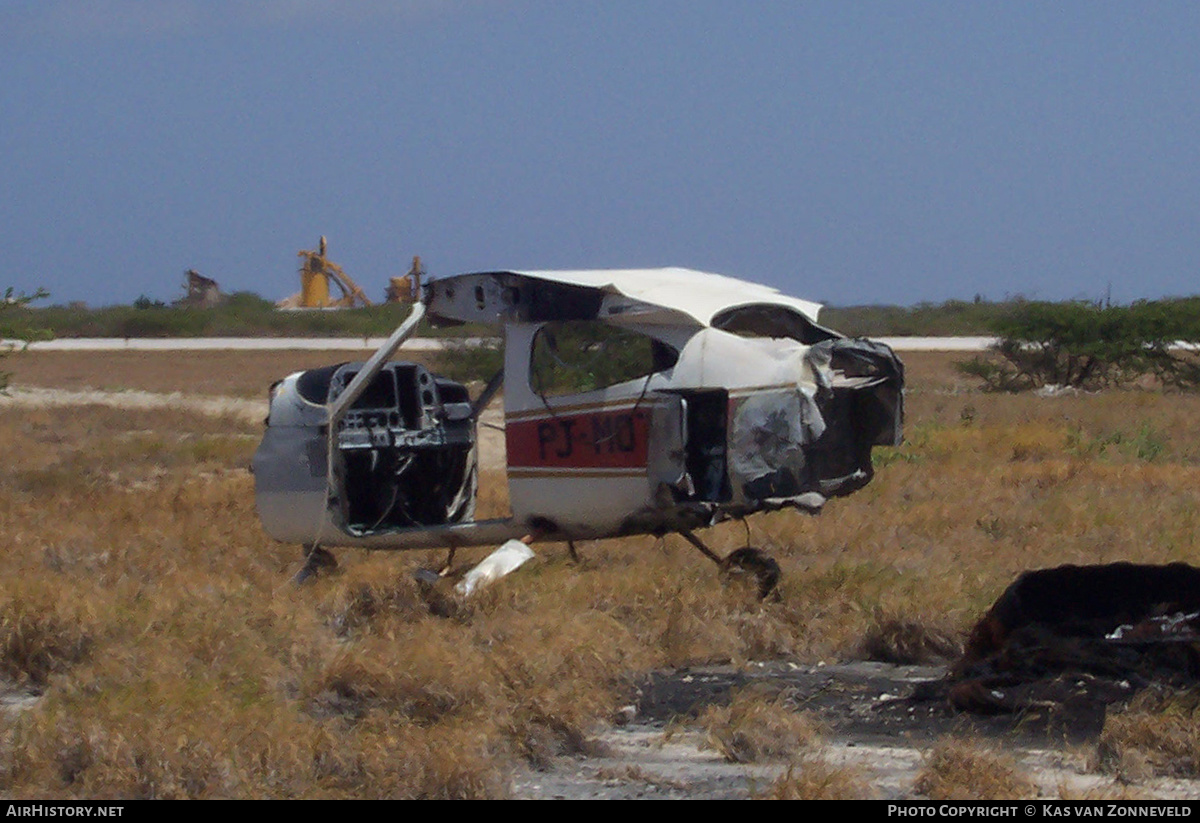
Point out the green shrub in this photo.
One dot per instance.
(15, 323)
(144, 302)
(953, 317)
(242, 314)
(465, 362)
(1086, 346)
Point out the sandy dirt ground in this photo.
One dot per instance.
(875, 726)
(252, 410)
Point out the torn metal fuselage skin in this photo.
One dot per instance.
(635, 401)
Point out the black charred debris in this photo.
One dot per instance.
(1060, 645)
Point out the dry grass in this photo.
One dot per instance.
(965, 770)
(140, 596)
(1157, 735)
(1113, 791)
(813, 778)
(903, 640)
(42, 632)
(756, 727)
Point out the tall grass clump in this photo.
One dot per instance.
(905, 640)
(957, 769)
(756, 727)
(1157, 734)
(814, 778)
(44, 630)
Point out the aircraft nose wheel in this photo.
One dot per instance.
(756, 563)
(747, 561)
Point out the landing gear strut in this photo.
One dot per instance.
(428, 577)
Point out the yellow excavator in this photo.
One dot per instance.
(316, 274)
(406, 289)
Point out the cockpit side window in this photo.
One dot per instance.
(577, 356)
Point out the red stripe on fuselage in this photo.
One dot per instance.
(590, 440)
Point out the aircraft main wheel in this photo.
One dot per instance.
(750, 561)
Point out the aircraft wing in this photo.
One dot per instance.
(668, 296)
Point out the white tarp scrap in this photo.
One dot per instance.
(504, 560)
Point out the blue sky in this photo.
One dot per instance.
(847, 152)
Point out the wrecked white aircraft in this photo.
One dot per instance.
(635, 401)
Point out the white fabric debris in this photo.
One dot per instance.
(504, 560)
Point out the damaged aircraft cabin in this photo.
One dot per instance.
(635, 401)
